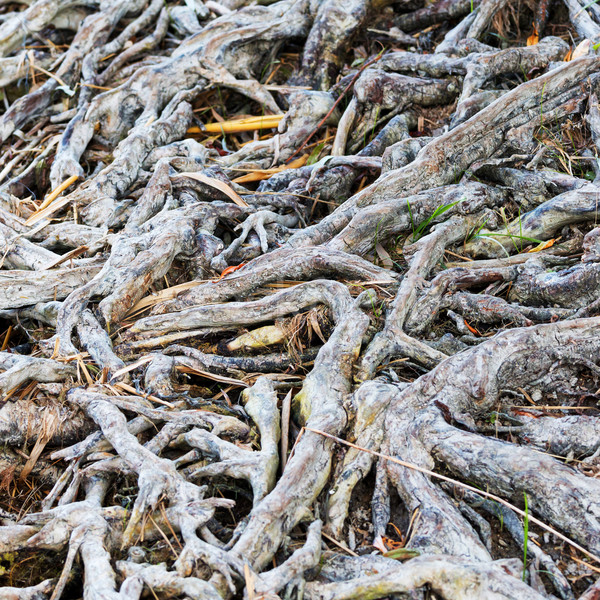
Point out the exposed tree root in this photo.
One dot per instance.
(283, 315)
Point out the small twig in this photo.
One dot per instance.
(527, 396)
(549, 407)
(458, 256)
(344, 91)
(466, 486)
(164, 536)
(338, 544)
(49, 206)
(65, 257)
(249, 578)
(285, 427)
(52, 75)
(582, 562)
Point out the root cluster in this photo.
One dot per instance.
(299, 299)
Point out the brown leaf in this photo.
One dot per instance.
(219, 185)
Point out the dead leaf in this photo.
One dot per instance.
(314, 323)
(386, 259)
(48, 427)
(378, 543)
(543, 246)
(219, 185)
(582, 49)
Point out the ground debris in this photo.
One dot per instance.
(299, 299)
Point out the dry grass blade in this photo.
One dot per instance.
(249, 577)
(131, 367)
(466, 486)
(65, 257)
(54, 194)
(49, 425)
(260, 174)
(50, 204)
(131, 390)
(6, 338)
(384, 257)
(207, 375)
(166, 294)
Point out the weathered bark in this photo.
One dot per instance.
(243, 363)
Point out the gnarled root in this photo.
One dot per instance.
(259, 357)
(259, 468)
(449, 576)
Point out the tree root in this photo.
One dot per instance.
(260, 468)
(450, 577)
(346, 348)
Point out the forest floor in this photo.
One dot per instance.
(299, 300)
